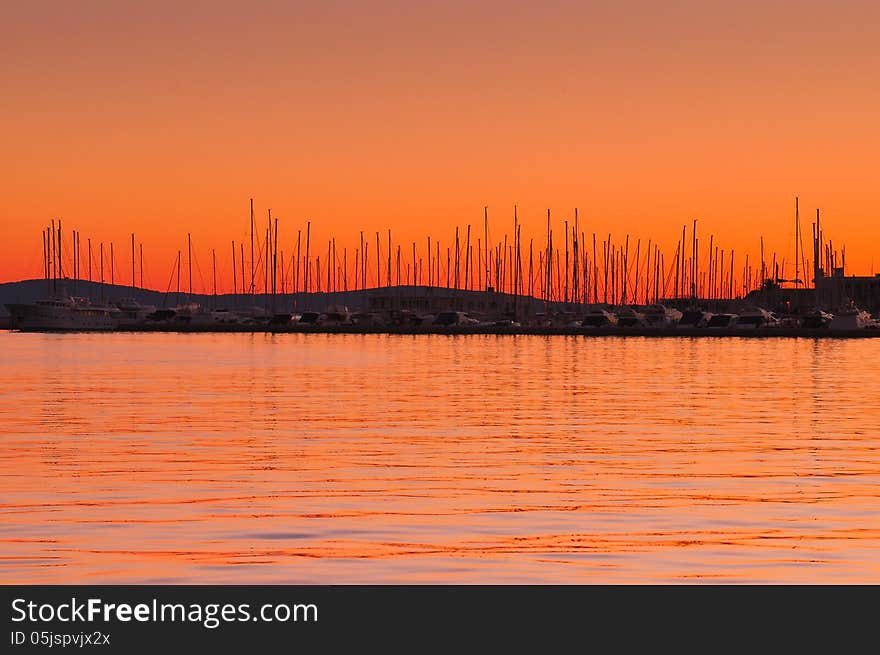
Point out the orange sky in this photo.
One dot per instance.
(161, 118)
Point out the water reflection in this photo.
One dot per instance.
(369, 458)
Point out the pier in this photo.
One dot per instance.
(664, 332)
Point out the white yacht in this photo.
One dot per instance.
(63, 313)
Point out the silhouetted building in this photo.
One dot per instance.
(839, 289)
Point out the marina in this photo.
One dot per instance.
(425, 310)
(540, 323)
(482, 285)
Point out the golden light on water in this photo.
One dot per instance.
(342, 458)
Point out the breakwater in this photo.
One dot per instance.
(610, 331)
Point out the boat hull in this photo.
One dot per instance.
(50, 318)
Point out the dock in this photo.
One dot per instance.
(462, 330)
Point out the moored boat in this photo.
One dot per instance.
(629, 317)
(130, 313)
(62, 313)
(722, 321)
(755, 318)
(816, 319)
(694, 318)
(598, 318)
(851, 317)
(660, 315)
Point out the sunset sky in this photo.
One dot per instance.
(163, 118)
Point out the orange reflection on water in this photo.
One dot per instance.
(342, 458)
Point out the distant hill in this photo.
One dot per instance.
(493, 304)
(31, 290)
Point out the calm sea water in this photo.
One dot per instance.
(154, 458)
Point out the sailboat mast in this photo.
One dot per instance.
(275, 264)
(467, 257)
(102, 271)
(565, 282)
(306, 263)
(797, 225)
(548, 273)
(73, 235)
(817, 268)
(694, 262)
(486, 241)
(253, 272)
(241, 263)
(189, 261)
(266, 258)
(54, 259)
(575, 280)
(45, 259)
(763, 264)
(296, 273)
(60, 258)
(132, 262)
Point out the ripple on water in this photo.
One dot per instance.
(371, 458)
